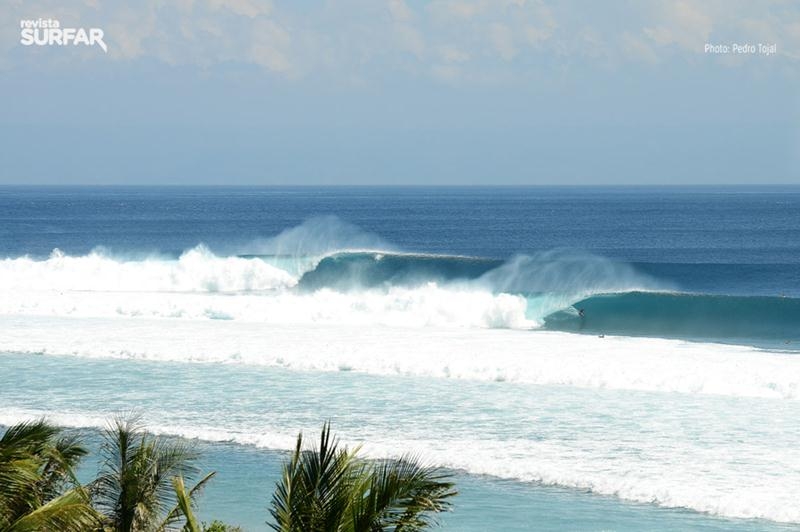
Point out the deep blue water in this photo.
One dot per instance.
(750, 236)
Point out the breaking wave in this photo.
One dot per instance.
(327, 271)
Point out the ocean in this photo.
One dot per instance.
(581, 358)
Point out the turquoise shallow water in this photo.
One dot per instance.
(611, 433)
(241, 491)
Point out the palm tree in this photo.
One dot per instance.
(329, 489)
(187, 507)
(38, 488)
(140, 487)
(219, 526)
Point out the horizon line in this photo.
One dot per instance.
(400, 185)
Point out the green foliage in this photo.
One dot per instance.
(141, 486)
(219, 526)
(136, 489)
(70, 512)
(38, 489)
(329, 489)
(186, 503)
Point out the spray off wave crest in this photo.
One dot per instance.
(328, 272)
(199, 285)
(196, 270)
(323, 271)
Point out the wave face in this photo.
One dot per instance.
(683, 315)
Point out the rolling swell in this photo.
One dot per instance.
(684, 315)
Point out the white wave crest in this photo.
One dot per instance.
(196, 270)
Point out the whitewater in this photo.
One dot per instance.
(557, 367)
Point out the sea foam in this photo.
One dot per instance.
(533, 357)
(725, 479)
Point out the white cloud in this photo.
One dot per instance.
(410, 40)
(502, 39)
(683, 24)
(446, 73)
(687, 26)
(130, 32)
(542, 24)
(536, 35)
(792, 41)
(452, 40)
(638, 48)
(464, 9)
(270, 44)
(400, 11)
(247, 8)
(452, 54)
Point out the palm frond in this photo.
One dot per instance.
(185, 503)
(67, 513)
(32, 436)
(134, 489)
(289, 494)
(61, 460)
(328, 489)
(115, 488)
(18, 495)
(406, 495)
(36, 464)
(169, 459)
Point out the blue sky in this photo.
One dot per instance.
(403, 92)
